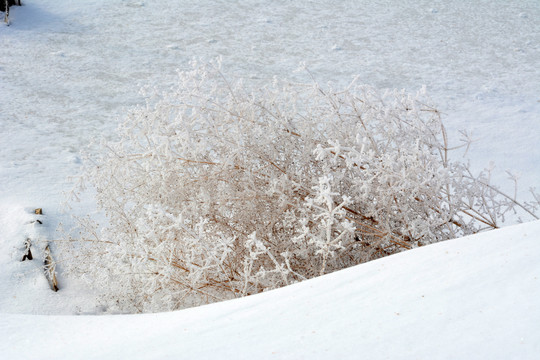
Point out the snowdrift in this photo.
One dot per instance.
(471, 298)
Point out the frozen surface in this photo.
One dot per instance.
(470, 298)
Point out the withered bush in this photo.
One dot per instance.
(214, 191)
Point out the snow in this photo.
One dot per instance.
(70, 69)
(469, 298)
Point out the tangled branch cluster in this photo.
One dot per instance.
(215, 192)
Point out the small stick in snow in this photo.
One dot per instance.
(27, 253)
(49, 268)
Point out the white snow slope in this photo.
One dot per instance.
(69, 69)
(470, 298)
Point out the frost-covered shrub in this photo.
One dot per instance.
(214, 191)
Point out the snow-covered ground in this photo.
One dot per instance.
(469, 298)
(69, 70)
